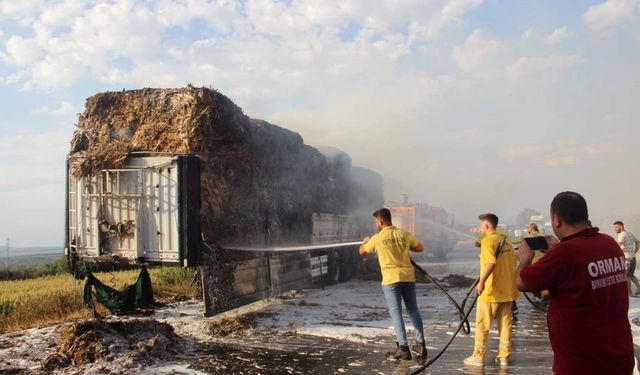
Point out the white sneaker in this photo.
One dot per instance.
(474, 361)
(502, 362)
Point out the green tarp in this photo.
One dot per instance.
(133, 297)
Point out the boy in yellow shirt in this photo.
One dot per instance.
(398, 280)
(496, 290)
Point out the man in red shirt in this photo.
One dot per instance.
(585, 273)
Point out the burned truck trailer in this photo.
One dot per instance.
(147, 211)
(182, 176)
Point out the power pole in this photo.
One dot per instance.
(7, 260)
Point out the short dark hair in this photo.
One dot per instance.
(534, 226)
(384, 214)
(491, 218)
(620, 223)
(571, 207)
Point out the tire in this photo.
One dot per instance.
(333, 268)
(536, 301)
(356, 262)
(345, 265)
(340, 266)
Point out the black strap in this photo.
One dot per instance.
(502, 241)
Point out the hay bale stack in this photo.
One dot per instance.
(256, 177)
(259, 183)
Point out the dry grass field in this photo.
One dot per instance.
(54, 299)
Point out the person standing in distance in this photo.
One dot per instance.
(496, 290)
(398, 280)
(629, 245)
(587, 317)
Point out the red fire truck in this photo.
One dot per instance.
(431, 225)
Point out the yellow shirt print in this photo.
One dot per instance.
(392, 246)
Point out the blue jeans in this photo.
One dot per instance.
(394, 293)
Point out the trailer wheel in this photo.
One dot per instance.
(345, 266)
(333, 268)
(356, 262)
(339, 267)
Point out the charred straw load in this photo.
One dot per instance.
(259, 183)
(253, 174)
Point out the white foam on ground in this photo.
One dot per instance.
(26, 349)
(354, 311)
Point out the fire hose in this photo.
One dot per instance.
(535, 304)
(464, 316)
(466, 327)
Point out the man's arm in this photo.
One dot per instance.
(525, 255)
(414, 244)
(553, 272)
(488, 249)
(479, 240)
(418, 248)
(362, 249)
(488, 270)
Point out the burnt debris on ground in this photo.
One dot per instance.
(370, 270)
(130, 342)
(232, 325)
(457, 281)
(330, 357)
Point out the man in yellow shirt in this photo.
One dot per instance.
(533, 230)
(398, 280)
(496, 290)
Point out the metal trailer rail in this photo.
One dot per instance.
(293, 248)
(254, 273)
(328, 265)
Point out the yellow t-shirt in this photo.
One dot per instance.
(482, 235)
(501, 284)
(392, 245)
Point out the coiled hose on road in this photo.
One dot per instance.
(464, 325)
(540, 306)
(464, 316)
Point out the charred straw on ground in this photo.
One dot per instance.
(128, 342)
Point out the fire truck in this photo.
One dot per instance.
(431, 225)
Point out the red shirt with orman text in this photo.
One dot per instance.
(588, 312)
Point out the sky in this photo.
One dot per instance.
(471, 105)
